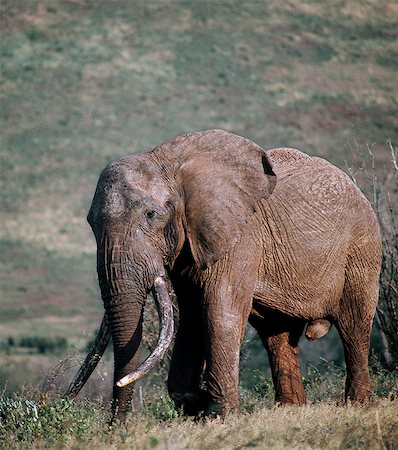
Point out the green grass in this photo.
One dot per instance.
(31, 420)
(83, 85)
(37, 418)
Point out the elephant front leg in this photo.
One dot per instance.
(227, 300)
(185, 374)
(225, 312)
(187, 363)
(224, 336)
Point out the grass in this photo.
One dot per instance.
(38, 418)
(82, 86)
(64, 424)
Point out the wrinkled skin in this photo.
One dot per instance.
(276, 238)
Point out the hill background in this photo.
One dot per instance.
(86, 82)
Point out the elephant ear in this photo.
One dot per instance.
(222, 180)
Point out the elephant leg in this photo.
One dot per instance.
(280, 336)
(226, 307)
(356, 351)
(187, 363)
(224, 336)
(354, 324)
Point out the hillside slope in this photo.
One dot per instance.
(87, 82)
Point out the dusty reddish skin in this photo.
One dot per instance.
(276, 238)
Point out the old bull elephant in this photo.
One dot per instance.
(277, 238)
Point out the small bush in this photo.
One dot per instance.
(29, 420)
(383, 193)
(163, 408)
(44, 345)
(36, 344)
(324, 383)
(256, 388)
(384, 381)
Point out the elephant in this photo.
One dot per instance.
(276, 238)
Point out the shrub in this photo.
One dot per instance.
(44, 344)
(386, 317)
(27, 420)
(382, 191)
(162, 408)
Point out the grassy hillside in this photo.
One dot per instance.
(87, 82)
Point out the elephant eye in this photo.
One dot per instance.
(150, 214)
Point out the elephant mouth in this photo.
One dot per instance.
(166, 325)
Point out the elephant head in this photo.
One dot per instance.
(197, 190)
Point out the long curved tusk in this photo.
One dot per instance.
(166, 323)
(92, 359)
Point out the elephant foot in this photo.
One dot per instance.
(357, 394)
(199, 405)
(290, 401)
(296, 397)
(191, 403)
(217, 410)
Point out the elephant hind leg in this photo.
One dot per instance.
(280, 336)
(356, 351)
(354, 324)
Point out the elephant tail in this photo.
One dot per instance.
(317, 328)
(92, 359)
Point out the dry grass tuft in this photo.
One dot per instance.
(324, 425)
(315, 426)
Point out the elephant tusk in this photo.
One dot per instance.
(92, 359)
(166, 323)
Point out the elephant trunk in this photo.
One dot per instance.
(124, 290)
(125, 279)
(166, 323)
(125, 316)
